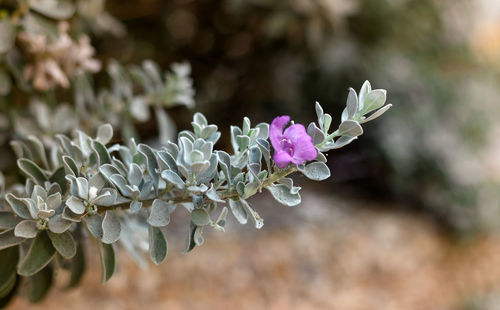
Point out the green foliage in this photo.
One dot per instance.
(108, 185)
(86, 177)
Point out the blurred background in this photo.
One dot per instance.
(409, 218)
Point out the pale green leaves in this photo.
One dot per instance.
(285, 194)
(18, 206)
(203, 130)
(238, 210)
(157, 245)
(350, 128)
(108, 261)
(106, 228)
(9, 239)
(354, 114)
(63, 243)
(316, 171)
(32, 171)
(200, 217)
(7, 220)
(369, 100)
(128, 193)
(38, 285)
(104, 133)
(173, 178)
(26, 229)
(111, 227)
(77, 267)
(160, 215)
(39, 255)
(57, 224)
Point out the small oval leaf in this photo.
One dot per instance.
(63, 243)
(39, 255)
(157, 245)
(111, 227)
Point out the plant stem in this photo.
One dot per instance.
(181, 199)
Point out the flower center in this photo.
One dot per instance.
(287, 146)
(42, 224)
(91, 209)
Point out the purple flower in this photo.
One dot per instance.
(292, 146)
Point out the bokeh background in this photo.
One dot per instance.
(409, 218)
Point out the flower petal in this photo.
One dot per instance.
(295, 133)
(276, 131)
(304, 150)
(302, 143)
(282, 159)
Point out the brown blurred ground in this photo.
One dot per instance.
(330, 253)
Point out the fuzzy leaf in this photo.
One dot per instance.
(121, 184)
(108, 261)
(352, 103)
(173, 178)
(198, 236)
(200, 217)
(69, 215)
(39, 255)
(377, 113)
(102, 153)
(58, 224)
(317, 134)
(190, 244)
(160, 215)
(94, 225)
(135, 206)
(238, 210)
(157, 245)
(8, 260)
(350, 128)
(283, 195)
(63, 243)
(135, 174)
(7, 220)
(111, 227)
(213, 195)
(31, 170)
(343, 141)
(26, 229)
(152, 163)
(104, 133)
(39, 284)
(8, 239)
(75, 204)
(316, 171)
(77, 266)
(254, 216)
(374, 100)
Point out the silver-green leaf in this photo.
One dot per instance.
(159, 216)
(316, 171)
(39, 255)
(63, 243)
(283, 195)
(111, 227)
(157, 245)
